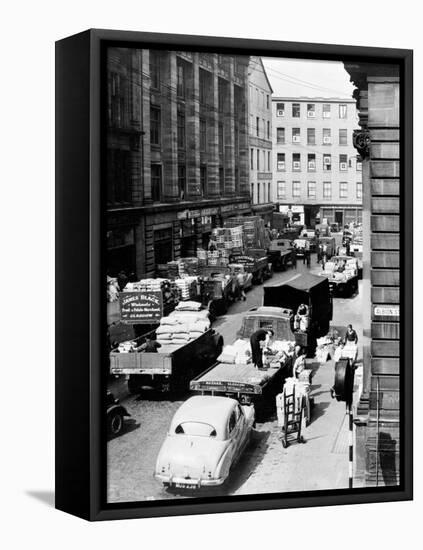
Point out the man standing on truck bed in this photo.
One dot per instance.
(260, 335)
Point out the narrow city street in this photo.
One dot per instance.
(265, 467)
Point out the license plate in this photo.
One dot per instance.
(185, 485)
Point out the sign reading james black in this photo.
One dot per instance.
(141, 307)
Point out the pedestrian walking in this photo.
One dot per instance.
(351, 335)
(259, 336)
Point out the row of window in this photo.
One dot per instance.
(156, 132)
(311, 136)
(343, 162)
(255, 162)
(311, 110)
(258, 192)
(157, 181)
(260, 128)
(311, 190)
(262, 99)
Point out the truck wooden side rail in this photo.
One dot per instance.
(167, 370)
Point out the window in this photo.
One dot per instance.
(258, 192)
(203, 180)
(359, 165)
(252, 159)
(180, 83)
(280, 109)
(281, 162)
(342, 110)
(311, 190)
(296, 110)
(257, 126)
(296, 136)
(221, 180)
(117, 103)
(258, 160)
(343, 136)
(156, 182)
(296, 162)
(220, 139)
(280, 135)
(327, 190)
(203, 86)
(359, 190)
(203, 135)
(252, 192)
(281, 189)
(182, 181)
(118, 176)
(268, 128)
(326, 110)
(181, 130)
(154, 126)
(343, 190)
(267, 101)
(269, 198)
(268, 161)
(311, 110)
(155, 69)
(236, 140)
(327, 162)
(311, 136)
(343, 159)
(326, 136)
(296, 189)
(311, 162)
(264, 160)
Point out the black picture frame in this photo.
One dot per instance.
(80, 431)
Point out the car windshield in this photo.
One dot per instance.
(300, 242)
(196, 428)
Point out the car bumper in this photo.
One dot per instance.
(180, 482)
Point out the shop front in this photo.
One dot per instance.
(342, 215)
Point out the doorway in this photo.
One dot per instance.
(339, 217)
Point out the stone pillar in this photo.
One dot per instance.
(192, 114)
(169, 131)
(213, 134)
(229, 135)
(145, 139)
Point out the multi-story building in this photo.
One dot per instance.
(260, 139)
(177, 153)
(386, 361)
(317, 174)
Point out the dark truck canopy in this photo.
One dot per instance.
(305, 288)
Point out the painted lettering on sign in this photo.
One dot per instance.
(386, 311)
(141, 307)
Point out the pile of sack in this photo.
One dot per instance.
(181, 327)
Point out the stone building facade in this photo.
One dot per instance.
(316, 171)
(377, 419)
(177, 163)
(260, 139)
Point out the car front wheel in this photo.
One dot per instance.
(115, 423)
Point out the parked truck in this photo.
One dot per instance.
(241, 380)
(281, 254)
(256, 261)
(307, 290)
(171, 368)
(218, 288)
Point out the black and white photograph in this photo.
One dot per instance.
(252, 220)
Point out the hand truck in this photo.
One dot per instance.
(293, 420)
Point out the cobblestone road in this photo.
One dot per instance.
(266, 467)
